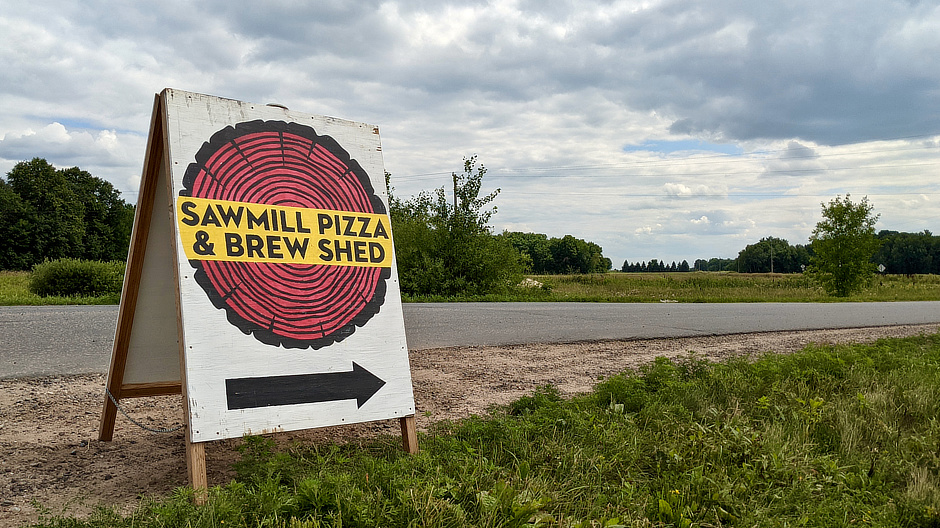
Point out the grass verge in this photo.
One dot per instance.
(14, 291)
(699, 287)
(831, 436)
(715, 287)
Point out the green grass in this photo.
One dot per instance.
(701, 287)
(830, 436)
(715, 287)
(14, 291)
(710, 287)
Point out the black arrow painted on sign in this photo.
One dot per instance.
(247, 393)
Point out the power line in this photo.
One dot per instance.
(752, 157)
(714, 195)
(427, 176)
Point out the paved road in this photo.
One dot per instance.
(46, 340)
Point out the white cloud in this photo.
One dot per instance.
(103, 153)
(806, 97)
(647, 230)
(680, 190)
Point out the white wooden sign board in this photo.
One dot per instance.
(269, 257)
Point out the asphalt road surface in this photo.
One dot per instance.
(51, 340)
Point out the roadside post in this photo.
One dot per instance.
(261, 281)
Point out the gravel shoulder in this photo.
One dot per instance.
(50, 455)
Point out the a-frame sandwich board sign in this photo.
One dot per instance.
(261, 281)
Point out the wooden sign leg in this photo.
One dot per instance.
(196, 466)
(132, 276)
(409, 434)
(108, 417)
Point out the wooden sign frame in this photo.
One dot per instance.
(147, 361)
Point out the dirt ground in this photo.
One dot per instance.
(50, 455)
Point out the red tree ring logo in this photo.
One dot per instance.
(294, 305)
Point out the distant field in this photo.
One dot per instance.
(727, 287)
(711, 287)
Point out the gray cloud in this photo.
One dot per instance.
(548, 93)
(832, 74)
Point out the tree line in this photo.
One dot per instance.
(715, 264)
(542, 255)
(900, 253)
(908, 253)
(769, 255)
(48, 213)
(444, 243)
(654, 266)
(840, 257)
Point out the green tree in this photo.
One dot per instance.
(107, 218)
(773, 254)
(559, 255)
(574, 255)
(444, 246)
(720, 264)
(49, 213)
(534, 249)
(569, 255)
(15, 236)
(843, 244)
(909, 253)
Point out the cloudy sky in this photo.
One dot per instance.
(658, 129)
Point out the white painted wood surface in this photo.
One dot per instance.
(216, 350)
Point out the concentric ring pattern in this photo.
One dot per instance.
(286, 164)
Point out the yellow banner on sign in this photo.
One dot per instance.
(250, 232)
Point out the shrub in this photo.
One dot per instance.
(446, 248)
(73, 277)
